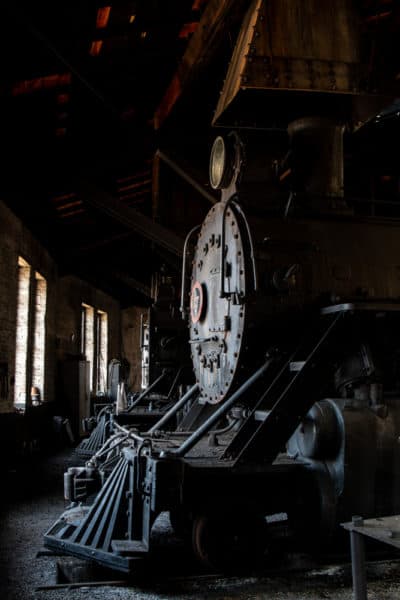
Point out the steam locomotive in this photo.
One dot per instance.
(293, 308)
(294, 420)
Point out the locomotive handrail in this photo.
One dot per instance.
(287, 396)
(183, 282)
(253, 260)
(231, 201)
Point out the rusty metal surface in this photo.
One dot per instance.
(295, 46)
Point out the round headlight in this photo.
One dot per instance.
(218, 163)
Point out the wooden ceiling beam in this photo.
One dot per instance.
(183, 173)
(39, 84)
(133, 283)
(94, 246)
(129, 217)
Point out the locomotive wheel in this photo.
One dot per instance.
(227, 542)
(180, 523)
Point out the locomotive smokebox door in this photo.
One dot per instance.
(217, 308)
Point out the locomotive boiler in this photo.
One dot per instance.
(293, 310)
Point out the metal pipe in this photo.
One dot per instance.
(221, 411)
(165, 418)
(106, 408)
(119, 439)
(104, 447)
(129, 433)
(147, 391)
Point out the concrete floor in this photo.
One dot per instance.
(31, 500)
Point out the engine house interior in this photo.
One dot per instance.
(203, 309)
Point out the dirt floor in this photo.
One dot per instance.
(31, 500)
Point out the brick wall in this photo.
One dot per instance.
(15, 241)
(63, 311)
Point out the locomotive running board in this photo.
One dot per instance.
(289, 396)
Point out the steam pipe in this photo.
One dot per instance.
(220, 412)
(165, 418)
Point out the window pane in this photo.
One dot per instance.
(89, 340)
(21, 350)
(39, 335)
(102, 345)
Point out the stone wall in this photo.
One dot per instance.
(63, 310)
(16, 241)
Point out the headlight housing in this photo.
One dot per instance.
(222, 160)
